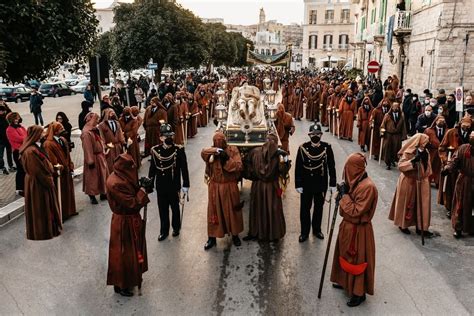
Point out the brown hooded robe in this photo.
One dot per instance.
(355, 241)
(130, 131)
(347, 113)
(433, 149)
(127, 247)
(285, 127)
(59, 154)
(41, 201)
(154, 116)
(363, 124)
(224, 210)
(114, 142)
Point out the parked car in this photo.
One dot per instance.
(33, 83)
(56, 89)
(15, 93)
(80, 87)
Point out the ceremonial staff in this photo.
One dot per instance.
(58, 184)
(329, 212)
(382, 134)
(418, 197)
(445, 182)
(371, 139)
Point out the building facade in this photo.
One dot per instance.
(328, 30)
(428, 44)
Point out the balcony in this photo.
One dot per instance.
(402, 23)
(377, 31)
(329, 21)
(343, 46)
(327, 46)
(359, 38)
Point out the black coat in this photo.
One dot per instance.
(307, 174)
(168, 173)
(3, 131)
(424, 122)
(36, 101)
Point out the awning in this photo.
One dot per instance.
(280, 59)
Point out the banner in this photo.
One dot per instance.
(280, 59)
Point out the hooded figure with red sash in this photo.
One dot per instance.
(127, 246)
(353, 266)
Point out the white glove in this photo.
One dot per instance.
(219, 150)
(185, 190)
(285, 158)
(332, 190)
(299, 190)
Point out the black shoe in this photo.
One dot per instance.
(349, 139)
(116, 289)
(405, 230)
(12, 169)
(448, 214)
(356, 300)
(337, 286)
(249, 238)
(393, 164)
(319, 235)
(388, 167)
(426, 233)
(362, 148)
(236, 241)
(103, 197)
(457, 234)
(126, 292)
(93, 199)
(211, 242)
(303, 238)
(327, 130)
(376, 157)
(175, 233)
(162, 237)
(5, 171)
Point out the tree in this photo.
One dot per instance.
(43, 34)
(242, 45)
(221, 46)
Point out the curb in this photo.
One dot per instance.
(15, 209)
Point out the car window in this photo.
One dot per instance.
(45, 86)
(64, 86)
(20, 89)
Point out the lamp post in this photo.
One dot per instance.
(221, 110)
(329, 53)
(402, 66)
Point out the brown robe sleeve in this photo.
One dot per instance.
(206, 153)
(40, 166)
(88, 148)
(234, 164)
(129, 202)
(352, 208)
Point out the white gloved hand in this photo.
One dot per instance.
(332, 190)
(185, 190)
(285, 158)
(219, 150)
(299, 190)
(129, 141)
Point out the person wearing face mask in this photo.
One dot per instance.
(425, 120)
(168, 166)
(297, 99)
(312, 106)
(462, 217)
(469, 105)
(363, 123)
(41, 200)
(375, 120)
(192, 116)
(155, 115)
(130, 125)
(407, 109)
(285, 127)
(16, 134)
(407, 206)
(57, 149)
(224, 212)
(393, 131)
(95, 165)
(451, 109)
(347, 112)
(454, 138)
(436, 134)
(86, 109)
(4, 143)
(202, 100)
(315, 167)
(112, 135)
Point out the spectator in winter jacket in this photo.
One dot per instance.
(36, 101)
(425, 120)
(88, 94)
(16, 134)
(86, 108)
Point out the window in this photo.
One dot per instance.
(329, 16)
(312, 16)
(327, 41)
(268, 51)
(274, 51)
(345, 15)
(313, 41)
(262, 51)
(372, 16)
(343, 41)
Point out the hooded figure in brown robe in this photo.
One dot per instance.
(312, 106)
(285, 127)
(202, 99)
(41, 201)
(412, 199)
(193, 116)
(355, 242)
(155, 115)
(462, 218)
(266, 164)
(112, 135)
(95, 165)
(376, 119)
(57, 148)
(347, 112)
(130, 126)
(224, 210)
(454, 138)
(127, 246)
(297, 99)
(285, 96)
(436, 134)
(393, 132)
(363, 123)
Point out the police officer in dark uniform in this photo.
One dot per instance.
(314, 167)
(168, 165)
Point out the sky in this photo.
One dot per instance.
(243, 12)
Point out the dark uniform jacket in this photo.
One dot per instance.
(167, 167)
(314, 165)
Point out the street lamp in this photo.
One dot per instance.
(329, 53)
(267, 83)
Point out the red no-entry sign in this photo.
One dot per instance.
(373, 66)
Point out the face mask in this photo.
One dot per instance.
(167, 104)
(440, 111)
(396, 110)
(428, 113)
(427, 101)
(432, 104)
(203, 93)
(38, 144)
(127, 117)
(169, 141)
(349, 99)
(315, 139)
(440, 125)
(414, 99)
(90, 109)
(406, 94)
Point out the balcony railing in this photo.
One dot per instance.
(377, 31)
(343, 46)
(402, 23)
(327, 46)
(329, 21)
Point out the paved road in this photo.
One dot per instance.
(68, 274)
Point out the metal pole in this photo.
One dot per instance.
(97, 63)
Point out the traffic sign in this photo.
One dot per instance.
(152, 66)
(373, 66)
(459, 99)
